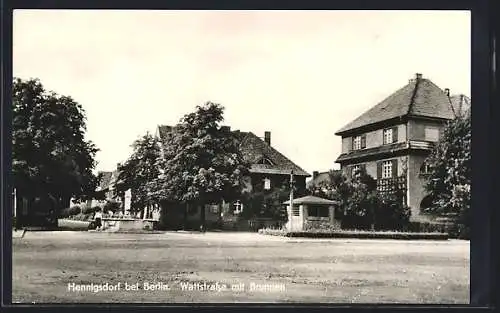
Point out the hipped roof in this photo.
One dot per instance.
(420, 97)
(312, 200)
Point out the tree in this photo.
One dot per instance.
(50, 157)
(448, 183)
(140, 169)
(268, 203)
(202, 162)
(361, 205)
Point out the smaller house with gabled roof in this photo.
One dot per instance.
(391, 140)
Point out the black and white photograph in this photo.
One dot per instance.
(211, 156)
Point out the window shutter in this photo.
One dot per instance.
(395, 134)
(395, 168)
(379, 170)
(349, 172)
(363, 168)
(363, 141)
(352, 143)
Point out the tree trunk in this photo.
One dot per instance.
(185, 216)
(202, 217)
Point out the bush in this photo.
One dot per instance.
(91, 210)
(319, 225)
(454, 230)
(358, 234)
(273, 232)
(112, 206)
(392, 213)
(72, 211)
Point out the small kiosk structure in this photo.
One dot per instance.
(311, 212)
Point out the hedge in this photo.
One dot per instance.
(356, 234)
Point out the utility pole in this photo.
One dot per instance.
(291, 200)
(15, 202)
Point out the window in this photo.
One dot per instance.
(388, 138)
(425, 168)
(431, 133)
(359, 142)
(387, 169)
(238, 207)
(213, 208)
(267, 184)
(356, 170)
(318, 211)
(356, 143)
(295, 210)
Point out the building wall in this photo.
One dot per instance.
(417, 129)
(374, 138)
(346, 144)
(371, 166)
(416, 187)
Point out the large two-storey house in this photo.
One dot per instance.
(392, 140)
(269, 168)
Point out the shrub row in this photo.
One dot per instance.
(357, 234)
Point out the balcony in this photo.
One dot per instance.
(374, 153)
(420, 145)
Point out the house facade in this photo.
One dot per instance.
(391, 140)
(269, 169)
(107, 187)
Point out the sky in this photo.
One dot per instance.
(302, 75)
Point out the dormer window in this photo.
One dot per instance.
(265, 161)
(358, 142)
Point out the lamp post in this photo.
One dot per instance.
(291, 200)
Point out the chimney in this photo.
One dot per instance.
(418, 76)
(267, 137)
(447, 91)
(315, 174)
